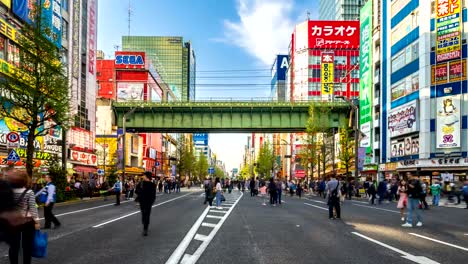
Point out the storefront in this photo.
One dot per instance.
(83, 165)
(442, 169)
(369, 172)
(389, 170)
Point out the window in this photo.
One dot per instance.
(407, 55)
(354, 60)
(355, 74)
(64, 30)
(314, 60)
(316, 73)
(340, 60)
(354, 87)
(13, 54)
(339, 74)
(65, 5)
(2, 47)
(405, 87)
(314, 86)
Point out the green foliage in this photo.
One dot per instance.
(34, 93)
(245, 172)
(265, 160)
(201, 167)
(185, 156)
(219, 172)
(346, 153)
(59, 177)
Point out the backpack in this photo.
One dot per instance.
(44, 195)
(117, 186)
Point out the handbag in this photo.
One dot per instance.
(222, 198)
(40, 244)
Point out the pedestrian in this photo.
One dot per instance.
(219, 191)
(465, 193)
(403, 201)
(146, 197)
(272, 191)
(382, 190)
(366, 188)
(252, 187)
(178, 186)
(423, 197)
(117, 189)
(279, 191)
(414, 196)
(26, 219)
(299, 190)
(333, 191)
(435, 191)
(209, 194)
(50, 192)
(160, 186)
(372, 192)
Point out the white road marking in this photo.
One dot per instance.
(438, 241)
(200, 237)
(406, 255)
(214, 216)
(216, 211)
(381, 209)
(316, 206)
(315, 201)
(360, 202)
(209, 225)
(136, 212)
(84, 210)
(193, 258)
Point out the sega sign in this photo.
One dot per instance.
(129, 60)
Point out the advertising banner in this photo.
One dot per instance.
(282, 64)
(453, 71)
(7, 3)
(361, 158)
(130, 91)
(365, 75)
(76, 39)
(200, 139)
(333, 34)
(83, 158)
(448, 29)
(92, 34)
(327, 73)
(403, 120)
(404, 147)
(129, 60)
(448, 122)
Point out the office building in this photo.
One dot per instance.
(174, 59)
(340, 9)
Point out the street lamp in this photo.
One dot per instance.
(355, 108)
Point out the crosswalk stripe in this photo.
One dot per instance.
(209, 225)
(214, 216)
(216, 211)
(200, 237)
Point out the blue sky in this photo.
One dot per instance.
(226, 35)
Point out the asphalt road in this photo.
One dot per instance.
(245, 230)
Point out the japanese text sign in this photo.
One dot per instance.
(327, 73)
(333, 34)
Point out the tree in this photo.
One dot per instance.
(245, 171)
(201, 167)
(34, 93)
(346, 150)
(219, 172)
(185, 156)
(265, 160)
(59, 176)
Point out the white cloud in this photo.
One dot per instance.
(264, 28)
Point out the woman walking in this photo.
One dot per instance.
(403, 201)
(219, 190)
(272, 191)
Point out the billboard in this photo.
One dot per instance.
(333, 34)
(7, 3)
(365, 75)
(404, 147)
(448, 122)
(448, 29)
(127, 91)
(282, 64)
(200, 139)
(92, 36)
(327, 76)
(129, 60)
(403, 120)
(445, 72)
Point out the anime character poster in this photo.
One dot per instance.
(448, 122)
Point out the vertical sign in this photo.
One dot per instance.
(327, 73)
(76, 39)
(52, 19)
(92, 36)
(365, 75)
(448, 122)
(448, 29)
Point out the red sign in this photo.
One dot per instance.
(92, 36)
(83, 158)
(333, 34)
(129, 60)
(300, 173)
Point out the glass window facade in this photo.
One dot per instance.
(171, 58)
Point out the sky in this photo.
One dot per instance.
(235, 43)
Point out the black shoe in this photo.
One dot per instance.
(145, 232)
(57, 226)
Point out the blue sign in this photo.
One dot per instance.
(13, 156)
(157, 163)
(282, 64)
(200, 139)
(211, 170)
(100, 172)
(129, 59)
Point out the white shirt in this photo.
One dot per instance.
(218, 187)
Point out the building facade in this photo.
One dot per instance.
(340, 9)
(424, 95)
(174, 59)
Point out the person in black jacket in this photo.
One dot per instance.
(272, 191)
(146, 192)
(414, 195)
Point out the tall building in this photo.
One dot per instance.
(340, 9)
(424, 96)
(174, 59)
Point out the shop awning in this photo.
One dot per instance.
(132, 170)
(86, 169)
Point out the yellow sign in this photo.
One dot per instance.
(7, 3)
(37, 154)
(9, 31)
(327, 73)
(448, 29)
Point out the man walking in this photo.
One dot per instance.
(146, 192)
(382, 190)
(333, 190)
(50, 191)
(117, 190)
(414, 195)
(465, 193)
(435, 191)
(252, 187)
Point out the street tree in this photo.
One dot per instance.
(185, 155)
(346, 151)
(201, 168)
(265, 160)
(218, 172)
(34, 92)
(245, 171)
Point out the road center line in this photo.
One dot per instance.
(406, 255)
(381, 209)
(180, 250)
(84, 210)
(438, 241)
(315, 201)
(136, 212)
(316, 206)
